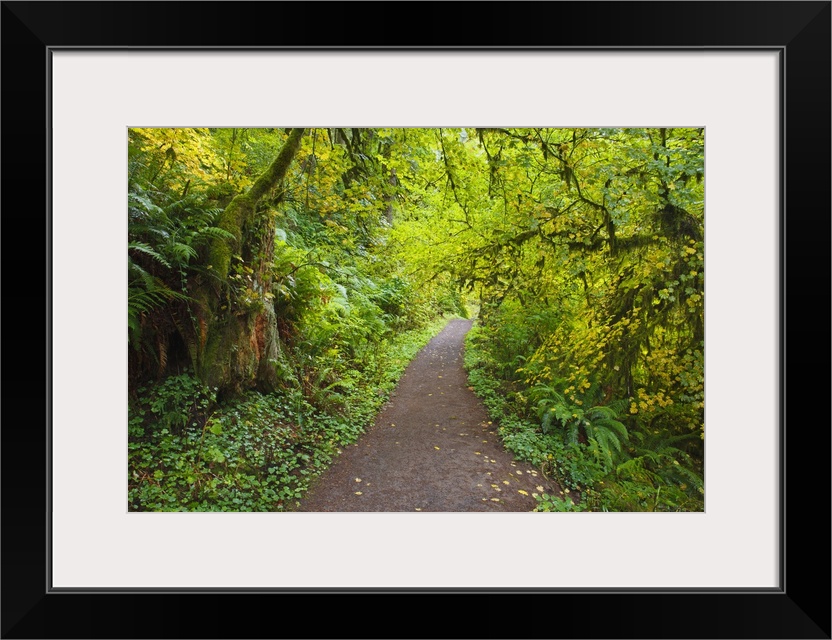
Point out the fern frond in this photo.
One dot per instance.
(143, 204)
(573, 433)
(547, 419)
(209, 233)
(143, 247)
(613, 426)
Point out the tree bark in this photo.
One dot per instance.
(238, 346)
(241, 209)
(388, 213)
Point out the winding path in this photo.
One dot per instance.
(431, 448)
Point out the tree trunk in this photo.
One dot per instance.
(388, 213)
(238, 346)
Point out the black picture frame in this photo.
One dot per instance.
(800, 608)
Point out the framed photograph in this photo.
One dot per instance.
(755, 76)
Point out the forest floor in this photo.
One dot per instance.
(431, 448)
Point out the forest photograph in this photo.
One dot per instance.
(416, 319)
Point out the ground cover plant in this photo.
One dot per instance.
(279, 281)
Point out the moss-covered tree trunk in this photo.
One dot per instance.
(238, 344)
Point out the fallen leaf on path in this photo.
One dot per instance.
(495, 499)
(418, 509)
(477, 453)
(519, 473)
(539, 488)
(358, 479)
(505, 481)
(525, 493)
(437, 448)
(358, 493)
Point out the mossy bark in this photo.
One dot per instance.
(239, 346)
(241, 210)
(242, 352)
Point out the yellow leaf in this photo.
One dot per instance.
(505, 482)
(358, 493)
(358, 479)
(525, 493)
(495, 499)
(437, 448)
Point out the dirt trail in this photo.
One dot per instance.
(431, 448)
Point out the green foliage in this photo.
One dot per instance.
(561, 505)
(171, 405)
(186, 452)
(164, 242)
(597, 426)
(590, 452)
(582, 251)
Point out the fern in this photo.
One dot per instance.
(143, 298)
(657, 461)
(209, 233)
(606, 432)
(147, 250)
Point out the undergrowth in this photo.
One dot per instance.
(595, 454)
(187, 452)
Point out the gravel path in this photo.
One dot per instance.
(432, 448)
